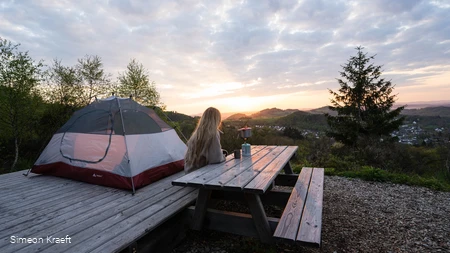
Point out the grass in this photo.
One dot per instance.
(369, 173)
(378, 175)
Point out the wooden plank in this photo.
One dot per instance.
(286, 180)
(223, 180)
(226, 168)
(261, 182)
(73, 222)
(164, 238)
(18, 181)
(232, 222)
(182, 181)
(218, 173)
(311, 224)
(11, 226)
(26, 189)
(212, 170)
(200, 208)
(272, 197)
(290, 220)
(109, 230)
(44, 209)
(11, 176)
(53, 226)
(83, 228)
(259, 218)
(42, 199)
(133, 228)
(241, 180)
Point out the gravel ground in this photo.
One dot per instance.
(358, 216)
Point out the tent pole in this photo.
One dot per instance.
(176, 128)
(126, 146)
(28, 172)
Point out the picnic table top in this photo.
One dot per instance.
(252, 174)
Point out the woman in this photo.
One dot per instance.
(204, 145)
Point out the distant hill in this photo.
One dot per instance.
(177, 117)
(276, 113)
(424, 104)
(236, 116)
(304, 120)
(272, 113)
(442, 111)
(322, 110)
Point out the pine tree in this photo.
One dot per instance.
(363, 103)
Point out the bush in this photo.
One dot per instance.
(378, 175)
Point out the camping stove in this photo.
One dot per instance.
(245, 133)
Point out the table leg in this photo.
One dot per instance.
(287, 168)
(200, 208)
(259, 217)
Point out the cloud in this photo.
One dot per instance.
(212, 50)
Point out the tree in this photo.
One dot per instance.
(64, 85)
(93, 78)
(19, 76)
(363, 103)
(135, 82)
(293, 133)
(76, 86)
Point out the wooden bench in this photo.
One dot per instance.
(301, 220)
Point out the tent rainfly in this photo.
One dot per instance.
(113, 142)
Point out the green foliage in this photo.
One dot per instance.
(63, 85)
(135, 81)
(363, 103)
(19, 99)
(440, 111)
(76, 86)
(375, 174)
(304, 120)
(293, 133)
(95, 81)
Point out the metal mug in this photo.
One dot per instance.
(237, 154)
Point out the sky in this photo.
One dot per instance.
(242, 56)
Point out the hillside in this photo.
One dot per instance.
(237, 116)
(322, 110)
(177, 117)
(272, 113)
(303, 120)
(442, 111)
(269, 113)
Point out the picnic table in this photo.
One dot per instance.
(253, 178)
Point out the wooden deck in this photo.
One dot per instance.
(35, 210)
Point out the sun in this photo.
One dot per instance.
(241, 104)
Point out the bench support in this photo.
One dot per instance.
(232, 222)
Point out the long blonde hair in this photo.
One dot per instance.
(202, 137)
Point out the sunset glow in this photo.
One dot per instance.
(242, 56)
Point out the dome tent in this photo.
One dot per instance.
(113, 142)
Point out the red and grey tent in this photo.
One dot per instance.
(113, 142)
